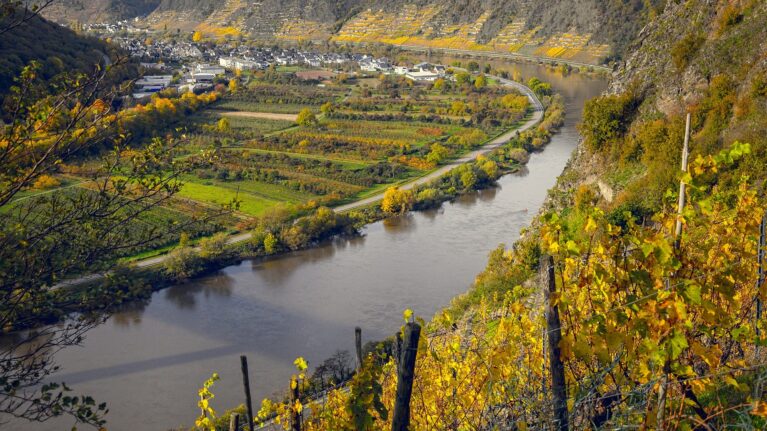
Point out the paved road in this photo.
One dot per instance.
(490, 146)
(497, 54)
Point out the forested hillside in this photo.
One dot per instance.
(57, 48)
(68, 11)
(589, 31)
(614, 311)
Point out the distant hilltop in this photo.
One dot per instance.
(587, 31)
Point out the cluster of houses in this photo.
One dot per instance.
(211, 61)
(422, 72)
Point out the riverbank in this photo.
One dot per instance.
(278, 234)
(532, 120)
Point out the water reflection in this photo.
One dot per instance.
(186, 295)
(521, 172)
(129, 314)
(400, 224)
(431, 214)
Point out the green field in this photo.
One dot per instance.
(250, 204)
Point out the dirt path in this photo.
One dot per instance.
(262, 115)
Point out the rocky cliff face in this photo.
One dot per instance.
(68, 11)
(580, 30)
(703, 57)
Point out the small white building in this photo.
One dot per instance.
(209, 68)
(227, 62)
(422, 75)
(151, 84)
(201, 78)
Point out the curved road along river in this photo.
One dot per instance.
(148, 361)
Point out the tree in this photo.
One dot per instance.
(480, 82)
(270, 243)
(196, 36)
(234, 85)
(462, 78)
(306, 118)
(439, 84)
(473, 66)
(458, 107)
(468, 179)
(397, 201)
(437, 154)
(327, 108)
(65, 234)
(606, 119)
(223, 125)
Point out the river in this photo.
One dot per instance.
(148, 362)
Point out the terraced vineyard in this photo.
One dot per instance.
(368, 134)
(278, 143)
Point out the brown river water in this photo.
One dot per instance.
(148, 362)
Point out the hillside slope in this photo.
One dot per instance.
(57, 48)
(714, 67)
(580, 30)
(91, 11)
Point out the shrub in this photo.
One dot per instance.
(306, 118)
(684, 50)
(397, 201)
(45, 182)
(606, 119)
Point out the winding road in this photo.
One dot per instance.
(535, 118)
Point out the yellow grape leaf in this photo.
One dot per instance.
(300, 363)
(590, 225)
(760, 409)
(407, 315)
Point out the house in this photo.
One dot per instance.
(201, 78)
(209, 69)
(151, 84)
(422, 75)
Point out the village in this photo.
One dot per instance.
(190, 66)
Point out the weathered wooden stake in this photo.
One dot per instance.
(398, 348)
(760, 255)
(234, 422)
(663, 388)
(358, 346)
(246, 385)
(554, 330)
(405, 375)
(295, 419)
(682, 185)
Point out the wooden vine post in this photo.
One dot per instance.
(295, 419)
(358, 346)
(405, 376)
(663, 387)
(554, 330)
(234, 422)
(760, 256)
(246, 386)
